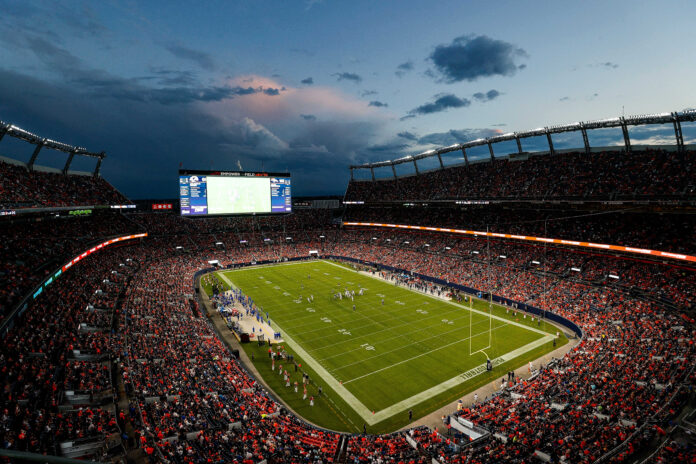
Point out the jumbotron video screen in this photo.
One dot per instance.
(206, 193)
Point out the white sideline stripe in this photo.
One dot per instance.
(383, 414)
(532, 329)
(224, 277)
(347, 396)
(447, 384)
(415, 357)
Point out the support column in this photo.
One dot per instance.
(4, 131)
(585, 139)
(678, 132)
(627, 139)
(38, 148)
(99, 162)
(439, 157)
(415, 165)
(372, 170)
(466, 158)
(67, 163)
(393, 170)
(548, 137)
(490, 150)
(519, 144)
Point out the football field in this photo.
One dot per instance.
(397, 348)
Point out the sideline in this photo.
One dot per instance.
(372, 418)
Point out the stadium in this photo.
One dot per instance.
(519, 297)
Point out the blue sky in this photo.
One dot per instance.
(314, 86)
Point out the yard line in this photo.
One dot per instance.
(398, 316)
(414, 357)
(518, 324)
(441, 334)
(371, 334)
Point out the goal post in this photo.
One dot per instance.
(488, 331)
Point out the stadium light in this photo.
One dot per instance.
(536, 262)
(427, 244)
(613, 276)
(448, 248)
(288, 238)
(503, 257)
(218, 243)
(474, 252)
(576, 269)
(322, 236)
(179, 247)
(406, 242)
(374, 238)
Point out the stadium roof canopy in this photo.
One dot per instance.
(675, 118)
(40, 142)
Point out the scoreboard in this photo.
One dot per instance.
(205, 193)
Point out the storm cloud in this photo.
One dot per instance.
(469, 58)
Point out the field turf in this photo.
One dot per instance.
(397, 350)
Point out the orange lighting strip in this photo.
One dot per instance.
(99, 247)
(596, 246)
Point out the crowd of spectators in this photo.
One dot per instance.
(57, 356)
(192, 402)
(605, 175)
(666, 231)
(33, 248)
(24, 188)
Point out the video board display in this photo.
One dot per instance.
(205, 193)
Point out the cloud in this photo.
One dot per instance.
(608, 65)
(377, 104)
(441, 103)
(307, 81)
(310, 3)
(177, 87)
(308, 117)
(469, 58)
(367, 93)
(566, 98)
(403, 68)
(171, 77)
(202, 59)
(408, 135)
(486, 97)
(457, 136)
(387, 148)
(348, 77)
(260, 138)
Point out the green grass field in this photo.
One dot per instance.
(398, 350)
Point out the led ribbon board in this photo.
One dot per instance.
(81, 256)
(596, 246)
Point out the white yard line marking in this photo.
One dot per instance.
(413, 342)
(453, 382)
(362, 410)
(458, 329)
(414, 357)
(483, 313)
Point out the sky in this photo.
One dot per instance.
(313, 86)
